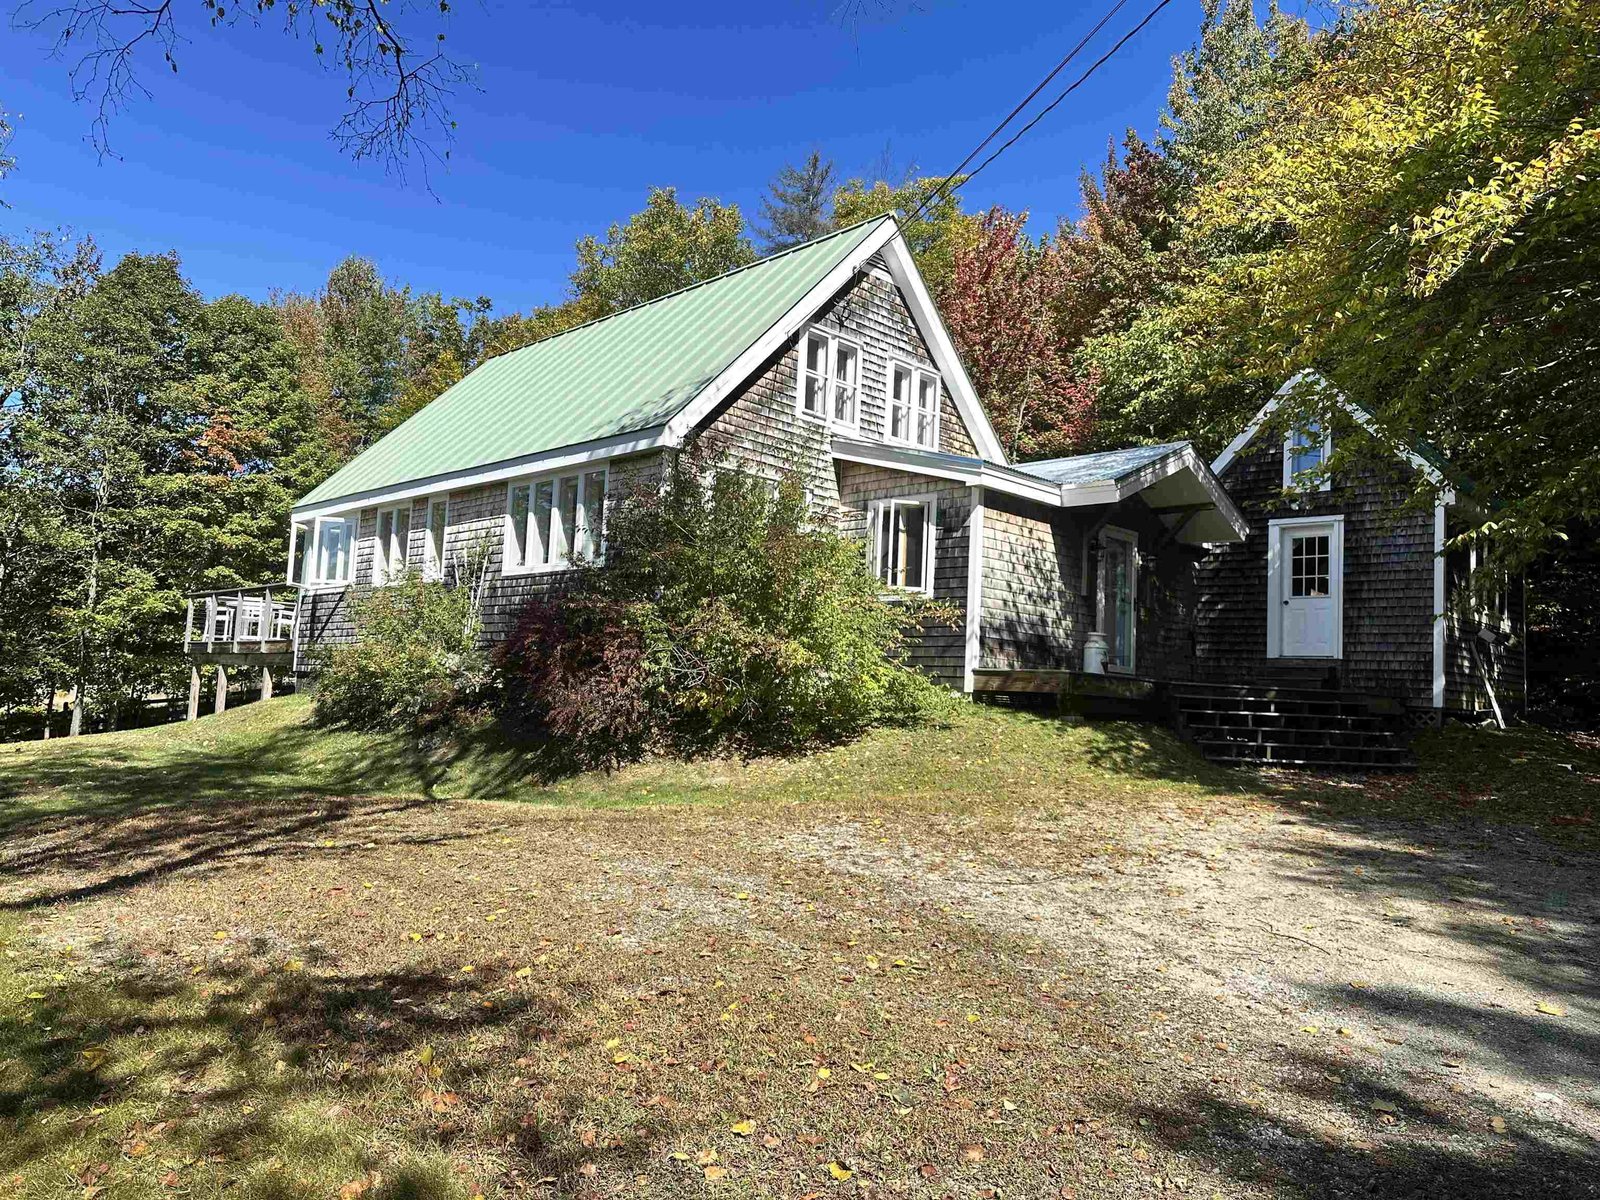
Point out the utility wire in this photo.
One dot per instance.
(1026, 100)
(932, 196)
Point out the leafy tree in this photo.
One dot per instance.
(1420, 221)
(660, 249)
(934, 234)
(1002, 309)
(796, 206)
(398, 76)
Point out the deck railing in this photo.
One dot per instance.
(243, 618)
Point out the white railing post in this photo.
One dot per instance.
(265, 628)
(188, 622)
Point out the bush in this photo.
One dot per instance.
(728, 617)
(415, 658)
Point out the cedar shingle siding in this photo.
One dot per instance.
(758, 428)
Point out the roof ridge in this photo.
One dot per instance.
(643, 304)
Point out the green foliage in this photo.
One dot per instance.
(795, 208)
(728, 618)
(415, 658)
(660, 249)
(934, 236)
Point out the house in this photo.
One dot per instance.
(828, 358)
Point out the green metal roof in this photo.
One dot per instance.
(625, 373)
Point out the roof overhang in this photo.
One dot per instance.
(1311, 383)
(1178, 486)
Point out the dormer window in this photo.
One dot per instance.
(1305, 456)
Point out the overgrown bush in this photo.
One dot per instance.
(727, 617)
(415, 658)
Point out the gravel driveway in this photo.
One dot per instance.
(1323, 1006)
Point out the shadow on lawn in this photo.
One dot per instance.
(240, 1052)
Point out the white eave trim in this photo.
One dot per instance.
(1248, 433)
(634, 442)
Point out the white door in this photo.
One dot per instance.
(1309, 575)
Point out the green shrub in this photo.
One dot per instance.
(728, 617)
(415, 658)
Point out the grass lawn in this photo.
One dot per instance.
(248, 958)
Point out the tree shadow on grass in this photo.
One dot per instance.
(221, 1069)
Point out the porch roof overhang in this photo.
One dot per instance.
(1172, 479)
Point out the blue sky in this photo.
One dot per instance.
(579, 112)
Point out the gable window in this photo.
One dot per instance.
(902, 543)
(333, 559)
(913, 406)
(830, 377)
(555, 520)
(389, 547)
(1305, 455)
(433, 543)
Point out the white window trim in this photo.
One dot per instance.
(1131, 537)
(433, 566)
(929, 502)
(1324, 480)
(383, 572)
(826, 417)
(314, 579)
(1276, 578)
(918, 373)
(580, 518)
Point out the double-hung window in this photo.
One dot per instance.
(830, 379)
(1305, 455)
(389, 547)
(334, 557)
(902, 543)
(913, 406)
(554, 521)
(433, 542)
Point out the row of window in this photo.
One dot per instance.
(829, 389)
(554, 521)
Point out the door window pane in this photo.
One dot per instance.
(1309, 566)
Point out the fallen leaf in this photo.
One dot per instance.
(1498, 1124)
(973, 1153)
(715, 1172)
(743, 1128)
(839, 1171)
(1550, 1010)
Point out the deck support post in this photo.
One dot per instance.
(222, 689)
(266, 683)
(194, 693)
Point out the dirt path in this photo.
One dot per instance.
(1399, 1010)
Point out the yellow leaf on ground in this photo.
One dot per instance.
(743, 1128)
(839, 1171)
(524, 972)
(1551, 1010)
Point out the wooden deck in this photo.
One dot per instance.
(1075, 693)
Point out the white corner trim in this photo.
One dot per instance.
(904, 269)
(974, 649)
(786, 326)
(1439, 623)
(1275, 528)
(1235, 447)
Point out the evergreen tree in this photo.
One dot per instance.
(795, 208)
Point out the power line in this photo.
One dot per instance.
(1042, 113)
(1028, 99)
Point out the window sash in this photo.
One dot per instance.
(556, 520)
(390, 545)
(1304, 451)
(828, 384)
(913, 406)
(332, 560)
(433, 544)
(903, 536)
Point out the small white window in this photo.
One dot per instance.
(1305, 453)
(333, 559)
(829, 384)
(913, 406)
(433, 544)
(902, 543)
(555, 521)
(389, 546)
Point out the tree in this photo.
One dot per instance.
(1422, 222)
(659, 250)
(796, 206)
(398, 76)
(933, 232)
(1001, 306)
